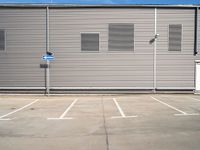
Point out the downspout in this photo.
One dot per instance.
(196, 31)
(154, 53)
(47, 73)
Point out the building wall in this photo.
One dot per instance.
(175, 69)
(25, 44)
(73, 68)
(199, 33)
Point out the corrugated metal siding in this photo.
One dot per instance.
(198, 54)
(175, 68)
(25, 44)
(199, 32)
(103, 69)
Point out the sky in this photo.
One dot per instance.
(105, 1)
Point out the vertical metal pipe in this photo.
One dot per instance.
(47, 50)
(154, 53)
(197, 31)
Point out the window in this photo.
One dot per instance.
(89, 42)
(121, 37)
(2, 40)
(175, 37)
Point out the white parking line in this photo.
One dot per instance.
(195, 99)
(119, 108)
(120, 111)
(2, 117)
(62, 117)
(182, 113)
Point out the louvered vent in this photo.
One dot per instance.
(89, 42)
(2, 40)
(121, 37)
(175, 37)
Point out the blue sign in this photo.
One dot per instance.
(48, 57)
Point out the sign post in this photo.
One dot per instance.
(47, 73)
(47, 77)
(48, 57)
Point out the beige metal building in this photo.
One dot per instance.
(99, 47)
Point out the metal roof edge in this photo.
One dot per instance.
(98, 6)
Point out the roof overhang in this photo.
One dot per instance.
(95, 6)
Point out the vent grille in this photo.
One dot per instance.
(121, 37)
(175, 37)
(89, 42)
(2, 40)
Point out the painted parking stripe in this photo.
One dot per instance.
(62, 117)
(195, 99)
(182, 113)
(10, 113)
(120, 111)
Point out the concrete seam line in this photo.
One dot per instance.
(104, 125)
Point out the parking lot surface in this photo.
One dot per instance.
(100, 122)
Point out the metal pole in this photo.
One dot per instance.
(154, 53)
(197, 31)
(47, 50)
